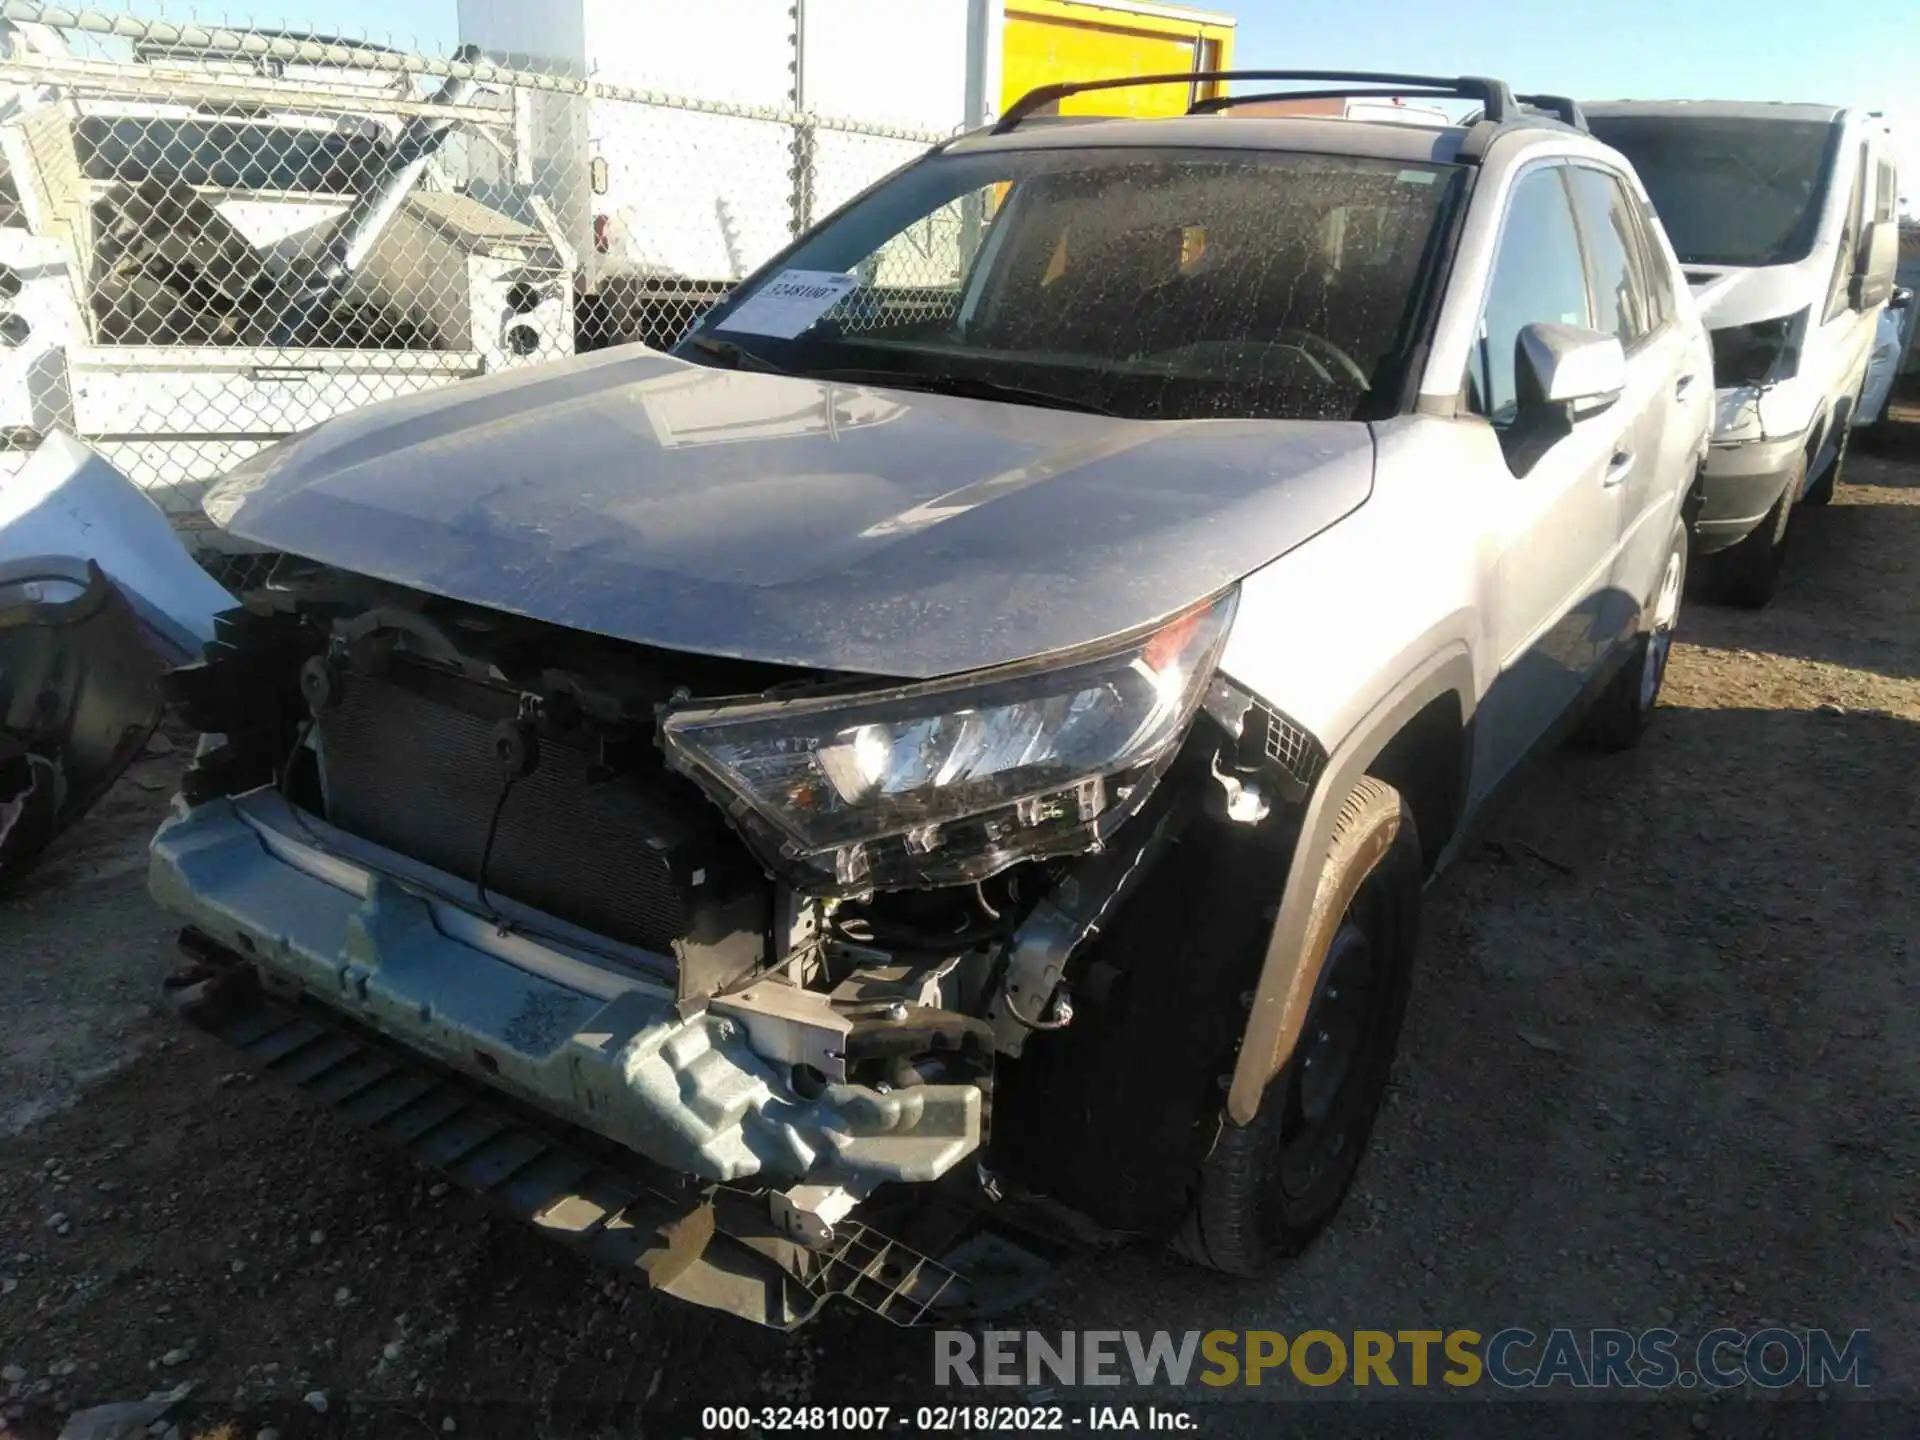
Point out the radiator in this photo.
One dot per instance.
(409, 765)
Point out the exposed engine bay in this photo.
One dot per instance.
(520, 849)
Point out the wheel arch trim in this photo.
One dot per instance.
(1297, 947)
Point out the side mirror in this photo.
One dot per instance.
(1562, 374)
(1568, 365)
(1901, 299)
(1875, 262)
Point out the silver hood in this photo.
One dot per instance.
(793, 521)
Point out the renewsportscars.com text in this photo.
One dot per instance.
(1512, 1357)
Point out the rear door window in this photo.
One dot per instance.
(1617, 265)
(1537, 276)
(1662, 275)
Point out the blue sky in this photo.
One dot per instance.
(1859, 52)
(1850, 52)
(1843, 52)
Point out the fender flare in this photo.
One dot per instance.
(1296, 949)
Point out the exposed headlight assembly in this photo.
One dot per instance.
(1762, 353)
(951, 781)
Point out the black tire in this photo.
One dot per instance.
(1821, 491)
(1622, 712)
(1748, 574)
(1266, 1189)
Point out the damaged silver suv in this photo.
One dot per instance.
(945, 763)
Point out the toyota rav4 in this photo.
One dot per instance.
(966, 734)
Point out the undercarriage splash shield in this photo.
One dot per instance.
(712, 1246)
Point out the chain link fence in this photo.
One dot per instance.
(213, 237)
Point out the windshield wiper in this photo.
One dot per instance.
(734, 357)
(967, 386)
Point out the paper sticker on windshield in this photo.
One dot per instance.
(789, 303)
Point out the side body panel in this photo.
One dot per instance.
(1681, 354)
(1430, 568)
(1414, 573)
(1323, 632)
(1840, 338)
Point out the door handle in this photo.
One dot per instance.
(1618, 468)
(1681, 386)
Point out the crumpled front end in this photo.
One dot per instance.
(536, 1016)
(774, 932)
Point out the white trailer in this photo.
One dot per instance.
(698, 151)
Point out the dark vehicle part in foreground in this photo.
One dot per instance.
(79, 695)
(943, 741)
(97, 599)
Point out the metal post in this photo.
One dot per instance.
(801, 216)
(986, 31)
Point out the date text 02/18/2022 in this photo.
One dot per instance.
(943, 1419)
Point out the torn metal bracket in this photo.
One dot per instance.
(1241, 799)
(810, 1212)
(789, 1026)
(1265, 742)
(1072, 915)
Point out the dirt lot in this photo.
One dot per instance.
(1662, 1067)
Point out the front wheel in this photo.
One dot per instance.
(1747, 574)
(1821, 491)
(1267, 1188)
(1622, 711)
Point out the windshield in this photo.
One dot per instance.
(1158, 284)
(1729, 191)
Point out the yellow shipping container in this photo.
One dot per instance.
(1049, 41)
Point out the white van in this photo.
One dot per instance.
(1784, 219)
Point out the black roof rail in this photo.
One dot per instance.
(1563, 108)
(1495, 96)
(1214, 104)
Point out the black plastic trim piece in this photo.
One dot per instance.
(1495, 96)
(1563, 108)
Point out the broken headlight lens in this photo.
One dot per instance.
(950, 781)
(1762, 353)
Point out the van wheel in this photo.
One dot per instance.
(1623, 710)
(1747, 574)
(1821, 491)
(1266, 1189)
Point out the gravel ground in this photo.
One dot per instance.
(1661, 1067)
